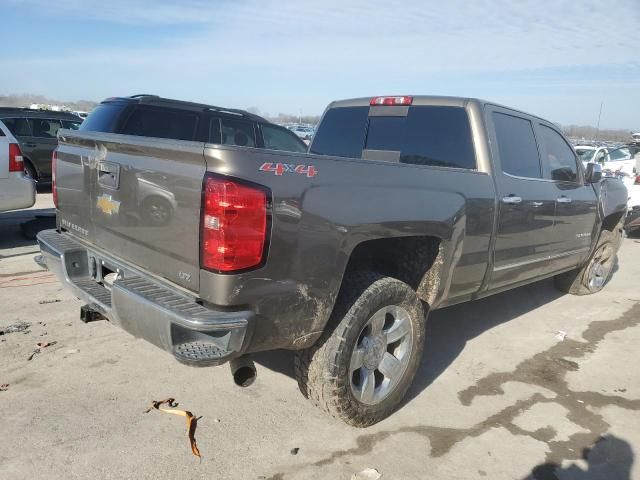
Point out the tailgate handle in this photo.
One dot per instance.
(109, 174)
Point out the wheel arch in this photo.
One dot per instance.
(414, 260)
(28, 161)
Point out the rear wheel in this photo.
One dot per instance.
(360, 369)
(593, 276)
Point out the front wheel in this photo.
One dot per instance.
(593, 276)
(361, 368)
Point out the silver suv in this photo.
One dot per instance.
(17, 190)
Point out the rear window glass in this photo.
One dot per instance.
(161, 123)
(18, 126)
(428, 135)
(103, 118)
(386, 133)
(437, 136)
(278, 138)
(342, 132)
(516, 146)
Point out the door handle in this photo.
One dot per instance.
(563, 199)
(511, 200)
(537, 204)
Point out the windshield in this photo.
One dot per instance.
(585, 154)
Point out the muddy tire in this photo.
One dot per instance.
(362, 366)
(595, 273)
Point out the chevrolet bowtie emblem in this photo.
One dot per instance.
(107, 204)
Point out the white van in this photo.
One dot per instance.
(17, 189)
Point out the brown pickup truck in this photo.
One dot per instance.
(199, 229)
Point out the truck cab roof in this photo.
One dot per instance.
(423, 100)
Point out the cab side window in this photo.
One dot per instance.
(278, 138)
(44, 128)
(18, 126)
(516, 146)
(237, 132)
(558, 158)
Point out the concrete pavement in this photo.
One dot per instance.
(500, 393)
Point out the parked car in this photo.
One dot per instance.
(17, 190)
(632, 221)
(338, 254)
(36, 132)
(305, 133)
(622, 160)
(590, 154)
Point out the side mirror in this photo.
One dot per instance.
(594, 172)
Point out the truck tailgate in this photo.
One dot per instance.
(137, 198)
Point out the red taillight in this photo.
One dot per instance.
(233, 225)
(54, 189)
(637, 182)
(15, 158)
(402, 100)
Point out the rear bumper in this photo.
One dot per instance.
(144, 306)
(17, 191)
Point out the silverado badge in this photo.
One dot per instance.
(107, 204)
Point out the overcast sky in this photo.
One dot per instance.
(558, 59)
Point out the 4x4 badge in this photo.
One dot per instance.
(280, 168)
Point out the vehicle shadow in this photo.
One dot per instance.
(43, 187)
(611, 458)
(19, 228)
(449, 329)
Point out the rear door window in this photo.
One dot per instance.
(161, 123)
(278, 138)
(45, 128)
(516, 146)
(341, 132)
(237, 132)
(18, 126)
(558, 158)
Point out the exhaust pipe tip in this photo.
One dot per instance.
(243, 371)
